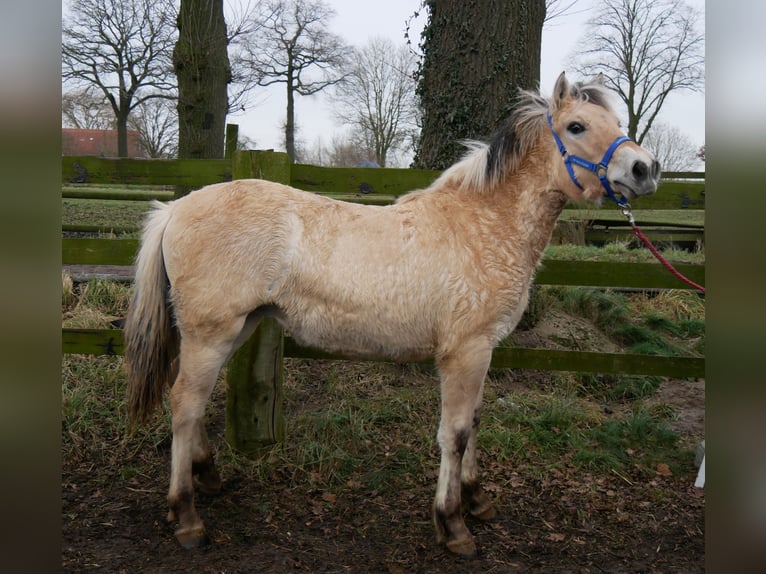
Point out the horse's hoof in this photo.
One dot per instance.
(487, 514)
(465, 548)
(192, 537)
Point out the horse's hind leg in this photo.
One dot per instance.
(200, 363)
(203, 463)
(462, 379)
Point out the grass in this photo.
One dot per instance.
(671, 325)
(363, 423)
(106, 213)
(373, 425)
(621, 251)
(93, 304)
(550, 430)
(665, 216)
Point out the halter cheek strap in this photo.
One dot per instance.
(598, 168)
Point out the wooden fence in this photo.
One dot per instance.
(254, 375)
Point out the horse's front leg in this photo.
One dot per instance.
(474, 499)
(203, 462)
(462, 380)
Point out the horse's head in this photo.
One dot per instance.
(597, 158)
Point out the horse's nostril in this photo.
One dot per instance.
(655, 169)
(640, 170)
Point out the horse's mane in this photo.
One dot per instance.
(486, 163)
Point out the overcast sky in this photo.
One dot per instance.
(357, 21)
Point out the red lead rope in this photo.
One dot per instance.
(656, 253)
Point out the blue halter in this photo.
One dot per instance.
(599, 169)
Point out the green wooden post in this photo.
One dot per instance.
(254, 415)
(232, 135)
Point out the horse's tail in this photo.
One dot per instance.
(151, 338)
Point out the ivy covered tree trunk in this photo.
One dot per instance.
(201, 64)
(477, 55)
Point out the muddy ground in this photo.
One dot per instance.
(565, 521)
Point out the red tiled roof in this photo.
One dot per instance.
(102, 143)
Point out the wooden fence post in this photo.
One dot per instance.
(254, 416)
(232, 135)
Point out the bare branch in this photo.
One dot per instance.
(647, 49)
(86, 109)
(156, 121)
(555, 9)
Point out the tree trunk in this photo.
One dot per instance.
(477, 55)
(122, 134)
(201, 64)
(290, 120)
(121, 114)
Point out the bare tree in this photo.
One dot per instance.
(647, 49)
(674, 150)
(349, 151)
(344, 150)
(156, 121)
(121, 48)
(86, 109)
(245, 142)
(378, 96)
(294, 47)
(314, 154)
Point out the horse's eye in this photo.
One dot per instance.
(575, 128)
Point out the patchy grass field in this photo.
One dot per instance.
(107, 213)
(590, 473)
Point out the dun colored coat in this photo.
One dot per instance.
(443, 273)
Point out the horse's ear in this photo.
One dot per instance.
(599, 80)
(560, 90)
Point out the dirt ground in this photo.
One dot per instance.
(562, 522)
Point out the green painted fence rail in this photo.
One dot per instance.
(110, 342)
(112, 193)
(96, 251)
(156, 172)
(656, 235)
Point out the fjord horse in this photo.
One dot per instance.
(444, 273)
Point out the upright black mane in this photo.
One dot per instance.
(487, 163)
(514, 135)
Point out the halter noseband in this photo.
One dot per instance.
(599, 169)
